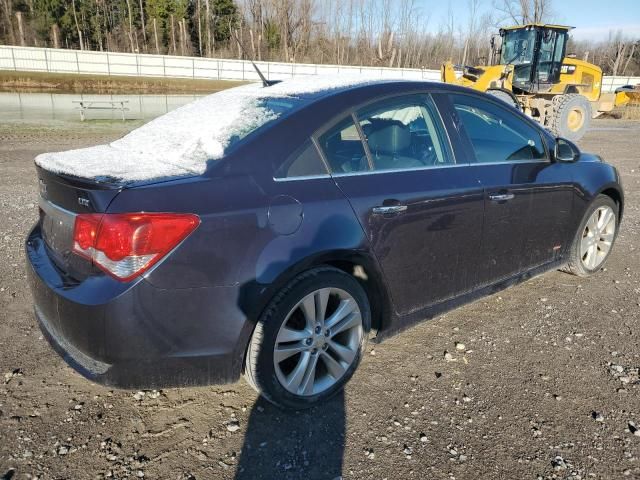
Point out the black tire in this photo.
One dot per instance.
(575, 264)
(566, 108)
(506, 97)
(259, 369)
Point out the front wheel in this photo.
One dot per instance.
(310, 339)
(595, 237)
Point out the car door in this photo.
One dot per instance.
(528, 198)
(421, 211)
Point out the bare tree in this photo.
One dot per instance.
(133, 49)
(524, 11)
(75, 18)
(144, 31)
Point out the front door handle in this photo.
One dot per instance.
(389, 209)
(501, 197)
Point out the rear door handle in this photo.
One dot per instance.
(501, 197)
(389, 209)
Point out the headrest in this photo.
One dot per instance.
(390, 139)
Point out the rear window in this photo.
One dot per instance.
(270, 109)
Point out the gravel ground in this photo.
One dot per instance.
(540, 381)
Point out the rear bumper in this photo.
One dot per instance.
(136, 335)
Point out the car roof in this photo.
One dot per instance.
(382, 87)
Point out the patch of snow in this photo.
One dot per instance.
(182, 141)
(404, 115)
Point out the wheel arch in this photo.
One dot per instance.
(255, 297)
(365, 270)
(616, 195)
(571, 88)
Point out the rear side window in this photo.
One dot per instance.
(305, 162)
(496, 134)
(343, 148)
(404, 134)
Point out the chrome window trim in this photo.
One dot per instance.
(302, 177)
(510, 162)
(454, 165)
(398, 170)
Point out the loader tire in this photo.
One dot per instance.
(570, 117)
(505, 96)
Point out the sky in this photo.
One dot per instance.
(592, 18)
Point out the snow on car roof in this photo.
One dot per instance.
(181, 142)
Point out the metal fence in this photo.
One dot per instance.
(53, 60)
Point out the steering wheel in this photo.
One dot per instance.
(429, 156)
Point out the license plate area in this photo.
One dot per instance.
(57, 230)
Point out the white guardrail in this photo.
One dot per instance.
(53, 60)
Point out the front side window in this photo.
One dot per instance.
(404, 134)
(496, 134)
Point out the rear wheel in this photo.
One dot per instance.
(594, 240)
(570, 116)
(310, 339)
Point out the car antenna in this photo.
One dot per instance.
(265, 82)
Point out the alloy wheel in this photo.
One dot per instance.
(318, 341)
(597, 237)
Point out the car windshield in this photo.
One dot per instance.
(518, 47)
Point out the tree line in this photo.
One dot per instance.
(390, 33)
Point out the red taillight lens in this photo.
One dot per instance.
(127, 244)
(86, 230)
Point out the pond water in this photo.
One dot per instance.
(58, 106)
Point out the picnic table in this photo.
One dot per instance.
(85, 105)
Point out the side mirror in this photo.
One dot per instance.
(566, 151)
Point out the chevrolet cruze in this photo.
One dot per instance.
(269, 231)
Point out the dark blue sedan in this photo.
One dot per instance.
(269, 231)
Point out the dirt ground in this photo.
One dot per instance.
(541, 380)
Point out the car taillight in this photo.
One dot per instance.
(127, 244)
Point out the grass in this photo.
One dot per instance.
(11, 81)
(631, 112)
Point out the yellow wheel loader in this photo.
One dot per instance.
(531, 72)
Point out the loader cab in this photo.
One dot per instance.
(536, 53)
